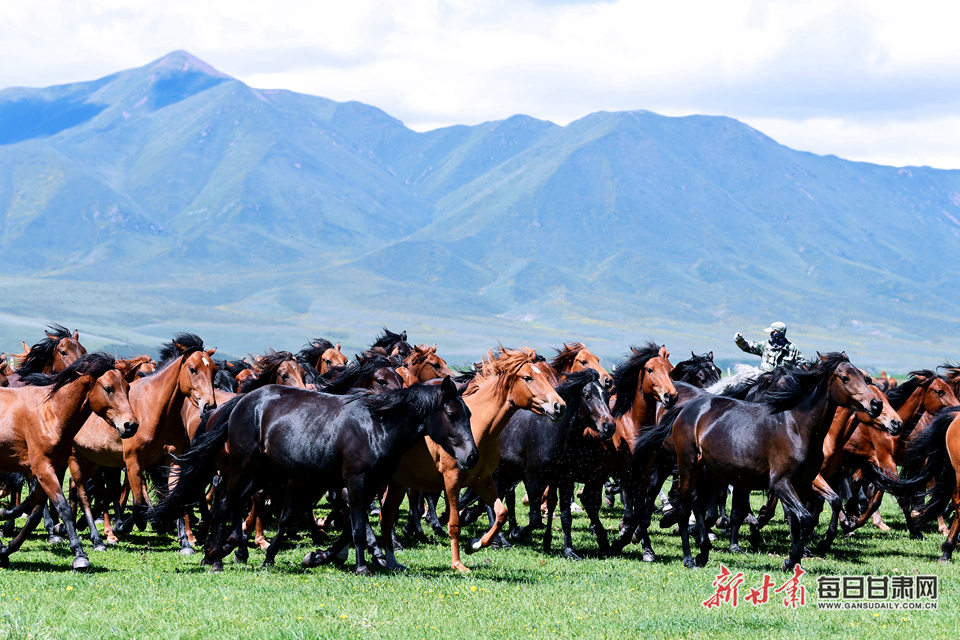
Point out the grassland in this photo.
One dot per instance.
(145, 589)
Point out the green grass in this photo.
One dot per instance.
(144, 589)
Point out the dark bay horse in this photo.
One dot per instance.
(508, 380)
(37, 426)
(392, 344)
(185, 371)
(314, 442)
(775, 445)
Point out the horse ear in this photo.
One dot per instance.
(822, 358)
(26, 349)
(76, 335)
(337, 346)
(403, 335)
(710, 356)
(130, 374)
(210, 352)
(448, 386)
(663, 352)
(433, 349)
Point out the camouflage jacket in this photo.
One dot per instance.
(772, 357)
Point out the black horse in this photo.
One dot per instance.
(534, 450)
(774, 445)
(313, 442)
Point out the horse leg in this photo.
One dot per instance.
(739, 507)
(654, 488)
(413, 530)
(551, 505)
(688, 467)
(767, 511)
(84, 499)
(430, 497)
(51, 526)
(801, 523)
(287, 516)
(359, 523)
(566, 515)
(392, 500)
(701, 502)
(486, 488)
(51, 483)
(33, 519)
(591, 499)
(836, 506)
(535, 521)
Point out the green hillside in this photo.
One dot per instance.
(173, 197)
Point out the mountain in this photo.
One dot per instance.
(174, 197)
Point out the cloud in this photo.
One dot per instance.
(863, 68)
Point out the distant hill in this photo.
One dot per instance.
(175, 197)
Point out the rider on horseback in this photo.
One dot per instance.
(774, 352)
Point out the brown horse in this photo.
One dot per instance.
(37, 426)
(508, 380)
(322, 356)
(185, 371)
(574, 357)
(424, 363)
(917, 400)
(53, 354)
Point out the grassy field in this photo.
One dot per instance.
(145, 589)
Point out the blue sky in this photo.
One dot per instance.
(866, 80)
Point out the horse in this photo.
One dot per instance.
(37, 427)
(275, 367)
(508, 380)
(574, 357)
(53, 354)
(185, 371)
(314, 442)
(538, 453)
(392, 344)
(424, 363)
(917, 400)
(936, 453)
(367, 372)
(320, 356)
(774, 445)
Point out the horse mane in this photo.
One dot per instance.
(501, 365)
(419, 399)
(691, 366)
(267, 364)
(358, 373)
(567, 355)
(792, 385)
(464, 376)
(626, 376)
(900, 393)
(388, 339)
(952, 375)
(42, 352)
(314, 350)
(183, 344)
(92, 364)
(739, 389)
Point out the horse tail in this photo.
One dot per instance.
(928, 453)
(650, 441)
(196, 468)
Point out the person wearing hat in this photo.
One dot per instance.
(774, 352)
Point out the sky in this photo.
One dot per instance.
(870, 80)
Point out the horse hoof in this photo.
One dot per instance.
(570, 554)
(649, 556)
(266, 564)
(216, 567)
(701, 560)
(711, 536)
(397, 567)
(187, 551)
(100, 547)
(81, 562)
(735, 548)
(439, 531)
(462, 568)
(944, 559)
(310, 560)
(787, 565)
(916, 535)
(55, 539)
(474, 546)
(364, 571)
(690, 563)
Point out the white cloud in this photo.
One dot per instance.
(867, 77)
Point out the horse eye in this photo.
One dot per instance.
(649, 370)
(192, 370)
(435, 365)
(583, 362)
(63, 353)
(844, 379)
(940, 392)
(108, 389)
(528, 378)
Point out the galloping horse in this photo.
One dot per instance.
(574, 357)
(508, 380)
(37, 426)
(185, 372)
(53, 354)
(775, 445)
(319, 357)
(314, 442)
(424, 363)
(392, 344)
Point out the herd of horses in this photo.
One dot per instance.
(227, 445)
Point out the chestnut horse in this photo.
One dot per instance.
(508, 380)
(53, 354)
(936, 453)
(37, 427)
(185, 371)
